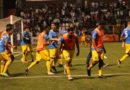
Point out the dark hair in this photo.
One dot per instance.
(71, 29)
(44, 28)
(9, 27)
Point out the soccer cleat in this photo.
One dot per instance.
(60, 65)
(4, 75)
(65, 72)
(54, 69)
(100, 76)
(119, 62)
(24, 62)
(26, 71)
(70, 77)
(89, 72)
(50, 73)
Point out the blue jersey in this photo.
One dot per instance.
(4, 38)
(126, 34)
(53, 44)
(25, 38)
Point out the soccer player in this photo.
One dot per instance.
(97, 49)
(42, 52)
(68, 42)
(5, 55)
(53, 46)
(26, 45)
(125, 43)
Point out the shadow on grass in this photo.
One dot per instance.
(18, 74)
(103, 77)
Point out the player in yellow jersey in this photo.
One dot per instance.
(26, 45)
(68, 42)
(42, 52)
(4, 50)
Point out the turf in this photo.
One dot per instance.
(115, 78)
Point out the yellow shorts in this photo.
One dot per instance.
(4, 56)
(44, 54)
(127, 48)
(68, 55)
(26, 48)
(53, 53)
(95, 55)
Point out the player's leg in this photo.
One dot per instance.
(24, 53)
(66, 55)
(38, 58)
(45, 56)
(101, 63)
(52, 53)
(7, 64)
(88, 58)
(29, 49)
(126, 55)
(95, 59)
(2, 64)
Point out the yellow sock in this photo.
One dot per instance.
(51, 62)
(6, 66)
(24, 57)
(90, 66)
(1, 67)
(100, 72)
(48, 66)
(124, 57)
(67, 68)
(32, 64)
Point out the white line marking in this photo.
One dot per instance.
(60, 76)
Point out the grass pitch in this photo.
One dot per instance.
(115, 78)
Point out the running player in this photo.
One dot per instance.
(26, 45)
(5, 55)
(42, 52)
(125, 43)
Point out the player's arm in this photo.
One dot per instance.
(61, 45)
(51, 37)
(8, 43)
(46, 40)
(77, 46)
(123, 37)
(94, 37)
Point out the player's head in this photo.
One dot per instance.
(27, 28)
(100, 25)
(70, 32)
(9, 29)
(45, 29)
(53, 26)
(128, 23)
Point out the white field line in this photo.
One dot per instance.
(63, 76)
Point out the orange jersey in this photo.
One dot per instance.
(41, 42)
(69, 43)
(98, 36)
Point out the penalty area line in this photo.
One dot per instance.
(60, 76)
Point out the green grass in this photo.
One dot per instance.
(110, 82)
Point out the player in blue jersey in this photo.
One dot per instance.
(53, 46)
(125, 36)
(26, 45)
(4, 47)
